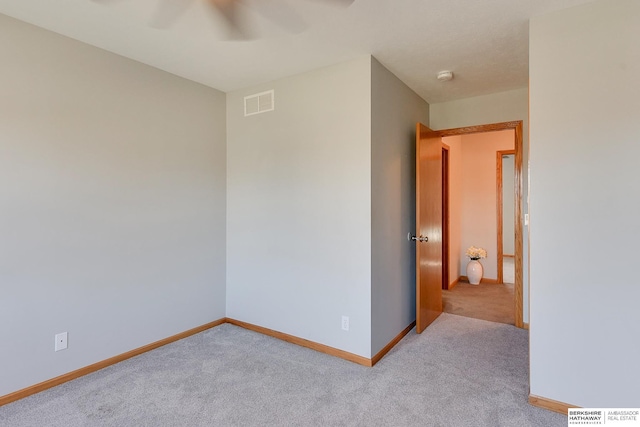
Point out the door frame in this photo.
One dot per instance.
(445, 216)
(516, 126)
(499, 211)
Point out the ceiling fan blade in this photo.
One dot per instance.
(228, 9)
(168, 12)
(278, 12)
(342, 3)
(105, 1)
(281, 14)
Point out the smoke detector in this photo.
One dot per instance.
(445, 76)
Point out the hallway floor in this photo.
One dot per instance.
(494, 302)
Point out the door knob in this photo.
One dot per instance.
(417, 238)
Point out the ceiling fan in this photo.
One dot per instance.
(279, 12)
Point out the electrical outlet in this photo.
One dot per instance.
(61, 341)
(345, 323)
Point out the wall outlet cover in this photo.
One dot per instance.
(345, 323)
(61, 341)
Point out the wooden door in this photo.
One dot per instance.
(428, 226)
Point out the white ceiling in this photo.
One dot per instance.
(485, 42)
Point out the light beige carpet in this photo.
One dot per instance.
(459, 372)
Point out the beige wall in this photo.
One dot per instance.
(112, 213)
(478, 225)
(299, 207)
(584, 68)
(322, 191)
(455, 207)
(472, 198)
(395, 110)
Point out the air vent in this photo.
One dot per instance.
(258, 103)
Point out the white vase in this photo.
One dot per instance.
(474, 272)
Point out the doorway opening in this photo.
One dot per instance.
(438, 198)
(505, 215)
